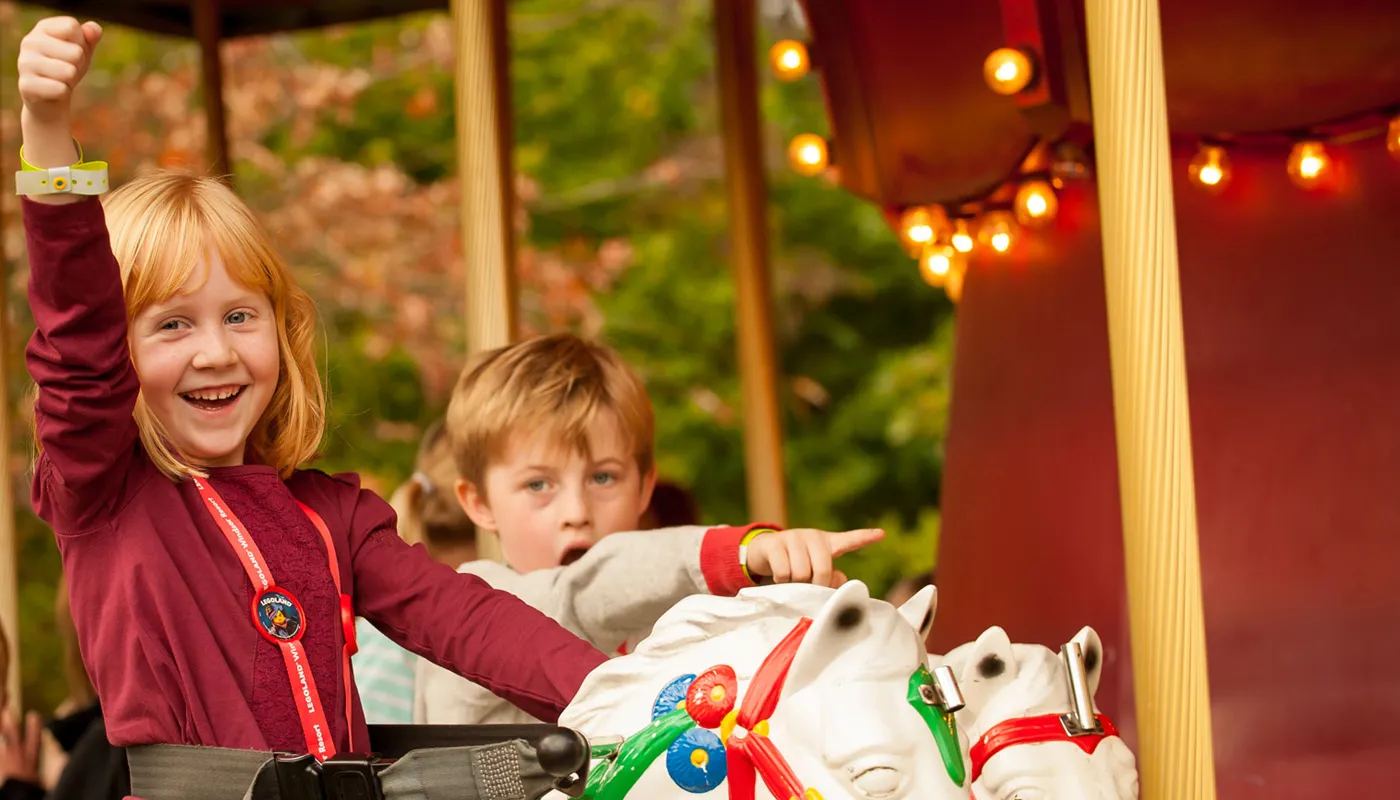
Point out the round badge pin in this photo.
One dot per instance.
(278, 616)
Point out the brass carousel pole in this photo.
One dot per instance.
(1152, 419)
(208, 29)
(736, 45)
(485, 173)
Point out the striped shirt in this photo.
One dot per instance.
(384, 676)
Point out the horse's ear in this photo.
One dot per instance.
(842, 622)
(1092, 648)
(920, 609)
(987, 665)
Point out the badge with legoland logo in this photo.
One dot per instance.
(278, 616)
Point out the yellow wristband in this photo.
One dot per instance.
(84, 177)
(25, 166)
(744, 549)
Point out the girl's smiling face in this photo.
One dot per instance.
(209, 361)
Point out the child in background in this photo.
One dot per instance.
(671, 507)
(19, 744)
(84, 765)
(211, 578)
(554, 445)
(428, 514)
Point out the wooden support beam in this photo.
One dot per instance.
(9, 546)
(486, 174)
(736, 46)
(208, 28)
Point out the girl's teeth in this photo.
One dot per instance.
(223, 395)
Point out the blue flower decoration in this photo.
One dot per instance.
(696, 761)
(671, 697)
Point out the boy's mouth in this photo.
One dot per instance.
(213, 399)
(572, 554)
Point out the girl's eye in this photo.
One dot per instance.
(238, 317)
(171, 325)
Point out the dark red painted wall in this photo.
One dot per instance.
(1291, 304)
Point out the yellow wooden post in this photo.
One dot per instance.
(484, 168)
(208, 29)
(1151, 414)
(736, 46)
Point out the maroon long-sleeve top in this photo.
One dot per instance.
(161, 601)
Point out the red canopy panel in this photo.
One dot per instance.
(240, 17)
(913, 122)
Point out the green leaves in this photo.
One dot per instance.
(344, 143)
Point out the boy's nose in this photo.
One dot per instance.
(575, 511)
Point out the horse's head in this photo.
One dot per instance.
(1027, 739)
(859, 714)
(805, 691)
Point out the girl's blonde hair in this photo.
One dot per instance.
(162, 227)
(427, 504)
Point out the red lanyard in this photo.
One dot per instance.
(278, 617)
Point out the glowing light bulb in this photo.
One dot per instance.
(1392, 137)
(962, 240)
(1309, 164)
(1036, 203)
(997, 231)
(936, 264)
(1008, 70)
(789, 60)
(808, 154)
(916, 226)
(1210, 169)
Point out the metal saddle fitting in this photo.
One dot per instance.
(1081, 720)
(950, 695)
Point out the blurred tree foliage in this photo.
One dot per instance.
(343, 142)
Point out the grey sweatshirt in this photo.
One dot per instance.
(610, 597)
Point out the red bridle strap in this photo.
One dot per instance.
(1033, 730)
(752, 751)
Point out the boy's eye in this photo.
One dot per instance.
(238, 317)
(537, 485)
(171, 324)
(604, 478)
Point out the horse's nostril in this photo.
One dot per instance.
(877, 782)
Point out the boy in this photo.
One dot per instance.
(554, 441)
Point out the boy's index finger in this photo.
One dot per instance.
(846, 541)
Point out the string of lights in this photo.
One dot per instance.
(941, 240)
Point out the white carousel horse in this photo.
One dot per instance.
(1027, 719)
(802, 691)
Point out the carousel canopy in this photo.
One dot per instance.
(913, 120)
(240, 17)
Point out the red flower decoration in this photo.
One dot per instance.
(712, 695)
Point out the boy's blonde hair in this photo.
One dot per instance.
(558, 383)
(162, 226)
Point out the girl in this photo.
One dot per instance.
(211, 580)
